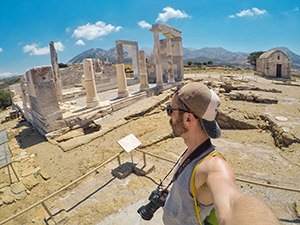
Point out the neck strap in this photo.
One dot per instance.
(198, 151)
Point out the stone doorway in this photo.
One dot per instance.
(278, 70)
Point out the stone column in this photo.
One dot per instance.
(180, 62)
(122, 85)
(143, 71)
(92, 99)
(120, 55)
(25, 97)
(57, 79)
(158, 65)
(170, 60)
(135, 61)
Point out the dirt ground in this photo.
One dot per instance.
(261, 142)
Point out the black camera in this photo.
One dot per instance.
(157, 199)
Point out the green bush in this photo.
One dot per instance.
(5, 99)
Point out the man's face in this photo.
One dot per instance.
(176, 120)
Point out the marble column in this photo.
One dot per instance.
(180, 62)
(122, 84)
(92, 99)
(57, 79)
(135, 61)
(144, 86)
(158, 65)
(170, 60)
(120, 55)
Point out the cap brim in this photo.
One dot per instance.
(211, 128)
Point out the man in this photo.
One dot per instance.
(193, 110)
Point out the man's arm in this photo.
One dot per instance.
(231, 205)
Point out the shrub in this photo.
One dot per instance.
(5, 99)
(62, 65)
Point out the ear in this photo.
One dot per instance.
(188, 119)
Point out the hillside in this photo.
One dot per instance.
(219, 56)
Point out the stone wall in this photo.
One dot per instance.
(44, 112)
(107, 79)
(71, 75)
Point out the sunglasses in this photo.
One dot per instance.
(170, 110)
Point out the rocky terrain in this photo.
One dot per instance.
(260, 119)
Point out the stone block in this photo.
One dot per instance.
(30, 182)
(20, 196)
(124, 170)
(44, 175)
(17, 188)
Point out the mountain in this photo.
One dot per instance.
(111, 54)
(219, 56)
(295, 59)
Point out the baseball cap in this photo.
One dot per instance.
(204, 103)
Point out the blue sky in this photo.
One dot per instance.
(27, 27)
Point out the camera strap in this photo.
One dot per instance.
(198, 151)
(195, 154)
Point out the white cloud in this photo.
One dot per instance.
(8, 74)
(1, 49)
(35, 50)
(80, 42)
(59, 46)
(249, 12)
(144, 24)
(170, 13)
(92, 31)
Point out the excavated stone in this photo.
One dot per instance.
(20, 196)
(29, 171)
(8, 197)
(45, 175)
(18, 188)
(124, 170)
(30, 182)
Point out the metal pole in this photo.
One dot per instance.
(15, 172)
(9, 174)
(131, 157)
(119, 160)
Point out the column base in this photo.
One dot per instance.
(159, 83)
(123, 94)
(144, 87)
(92, 102)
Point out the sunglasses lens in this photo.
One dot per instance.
(169, 110)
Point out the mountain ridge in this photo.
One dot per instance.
(218, 55)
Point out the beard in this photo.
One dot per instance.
(178, 127)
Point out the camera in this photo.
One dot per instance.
(157, 199)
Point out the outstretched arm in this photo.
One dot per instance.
(233, 207)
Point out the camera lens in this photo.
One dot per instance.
(147, 211)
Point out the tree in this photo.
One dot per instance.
(210, 63)
(189, 62)
(5, 100)
(253, 56)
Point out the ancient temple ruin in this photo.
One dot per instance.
(55, 100)
(166, 61)
(274, 63)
